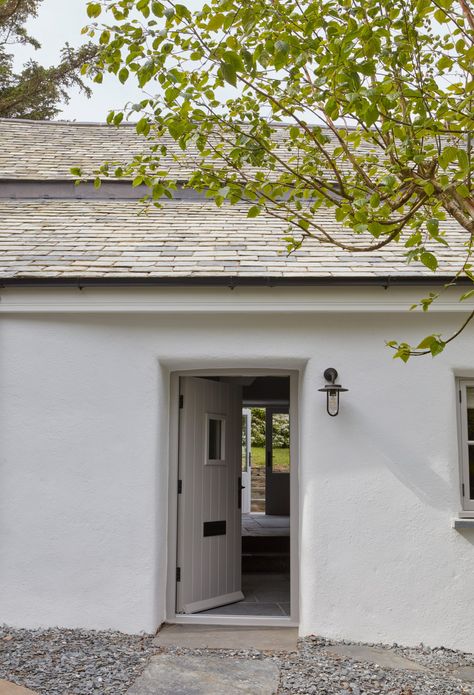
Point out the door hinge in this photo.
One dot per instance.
(181, 400)
(180, 487)
(460, 396)
(178, 574)
(463, 490)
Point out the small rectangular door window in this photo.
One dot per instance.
(215, 453)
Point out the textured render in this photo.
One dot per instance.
(85, 407)
(89, 238)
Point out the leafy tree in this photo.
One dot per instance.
(377, 97)
(258, 427)
(281, 429)
(36, 91)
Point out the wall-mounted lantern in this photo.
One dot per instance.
(332, 391)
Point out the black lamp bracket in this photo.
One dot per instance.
(330, 374)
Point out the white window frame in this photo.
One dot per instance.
(467, 502)
(221, 461)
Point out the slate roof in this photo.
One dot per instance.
(45, 150)
(84, 238)
(42, 236)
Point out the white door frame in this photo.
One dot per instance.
(247, 474)
(171, 616)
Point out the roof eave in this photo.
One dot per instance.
(235, 281)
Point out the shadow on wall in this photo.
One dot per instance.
(380, 445)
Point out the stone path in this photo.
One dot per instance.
(375, 655)
(7, 688)
(206, 674)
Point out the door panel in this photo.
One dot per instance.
(246, 460)
(277, 473)
(209, 517)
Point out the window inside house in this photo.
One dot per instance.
(280, 443)
(215, 439)
(466, 402)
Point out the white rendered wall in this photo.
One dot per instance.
(84, 465)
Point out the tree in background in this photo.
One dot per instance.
(35, 92)
(281, 429)
(377, 97)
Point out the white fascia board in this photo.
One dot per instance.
(224, 300)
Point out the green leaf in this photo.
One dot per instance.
(463, 190)
(143, 126)
(426, 343)
(254, 211)
(448, 155)
(428, 188)
(282, 51)
(94, 9)
(232, 58)
(332, 108)
(229, 73)
(437, 346)
(216, 22)
(429, 260)
(371, 115)
(445, 63)
(463, 159)
(123, 75)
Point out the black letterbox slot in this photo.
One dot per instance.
(214, 528)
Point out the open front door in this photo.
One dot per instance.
(210, 495)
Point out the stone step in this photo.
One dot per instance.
(265, 544)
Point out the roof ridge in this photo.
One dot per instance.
(134, 123)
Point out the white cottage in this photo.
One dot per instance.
(135, 350)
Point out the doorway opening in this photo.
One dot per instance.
(233, 511)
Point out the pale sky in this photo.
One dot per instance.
(61, 21)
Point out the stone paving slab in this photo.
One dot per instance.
(226, 637)
(169, 674)
(464, 673)
(7, 688)
(375, 655)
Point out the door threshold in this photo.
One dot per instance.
(246, 620)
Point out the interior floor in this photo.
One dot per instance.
(265, 594)
(265, 568)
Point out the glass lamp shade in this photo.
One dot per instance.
(332, 398)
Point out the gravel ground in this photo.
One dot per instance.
(81, 662)
(313, 671)
(73, 662)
